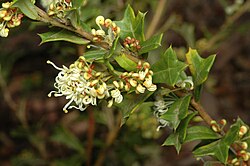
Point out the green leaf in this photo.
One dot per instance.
(197, 92)
(173, 139)
(64, 136)
(132, 25)
(168, 68)
(179, 136)
(218, 149)
(177, 111)
(77, 3)
(198, 66)
(125, 62)
(27, 8)
(95, 55)
(200, 133)
(130, 103)
(62, 35)
(150, 44)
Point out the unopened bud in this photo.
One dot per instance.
(234, 160)
(116, 84)
(223, 122)
(133, 82)
(215, 128)
(244, 145)
(99, 20)
(243, 131)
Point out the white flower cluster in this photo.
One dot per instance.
(9, 18)
(83, 86)
(58, 8)
(139, 80)
(100, 35)
(160, 108)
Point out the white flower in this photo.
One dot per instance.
(116, 94)
(140, 88)
(152, 88)
(4, 32)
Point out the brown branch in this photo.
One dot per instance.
(156, 19)
(90, 135)
(112, 135)
(201, 111)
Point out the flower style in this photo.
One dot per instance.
(10, 17)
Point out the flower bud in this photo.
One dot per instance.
(116, 84)
(244, 145)
(100, 32)
(6, 5)
(99, 20)
(3, 13)
(133, 82)
(110, 103)
(107, 22)
(223, 122)
(243, 131)
(140, 88)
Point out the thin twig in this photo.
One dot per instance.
(112, 135)
(156, 19)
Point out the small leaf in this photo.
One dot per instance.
(27, 8)
(168, 69)
(200, 133)
(173, 139)
(179, 136)
(95, 55)
(62, 35)
(150, 44)
(197, 92)
(218, 149)
(130, 103)
(125, 62)
(132, 25)
(198, 66)
(177, 111)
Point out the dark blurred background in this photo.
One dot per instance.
(35, 131)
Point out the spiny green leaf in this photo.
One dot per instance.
(132, 25)
(27, 8)
(179, 136)
(130, 103)
(150, 44)
(200, 133)
(177, 111)
(62, 35)
(173, 139)
(218, 149)
(125, 62)
(168, 68)
(198, 66)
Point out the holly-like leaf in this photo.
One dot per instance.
(220, 148)
(177, 111)
(132, 25)
(95, 55)
(199, 67)
(178, 137)
(150, 44)
(200, 133)
(62, 35)
(125, 62)
(130, 103)
(168, 68)
(27, 8)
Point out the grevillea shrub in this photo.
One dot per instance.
(114, 71)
